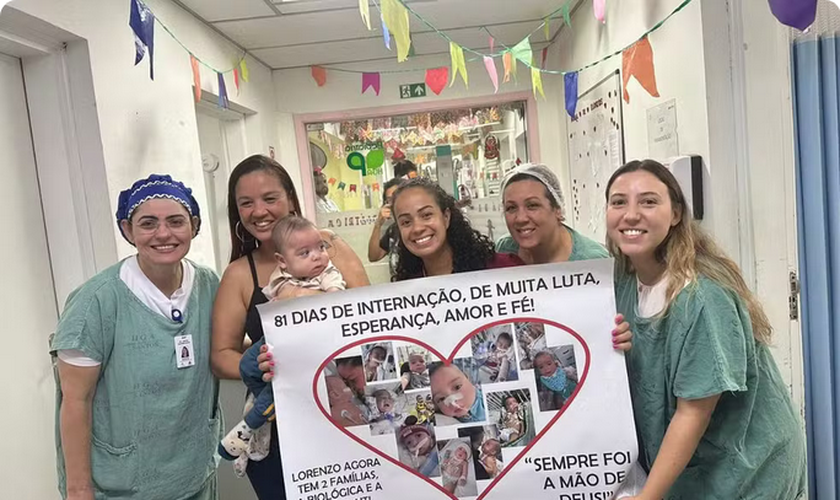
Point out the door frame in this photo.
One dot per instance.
(69, 160)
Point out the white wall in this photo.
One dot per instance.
(150, 126)
(733, 109)
(680, 74)
(297, 93)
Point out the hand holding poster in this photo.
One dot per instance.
(497, 384)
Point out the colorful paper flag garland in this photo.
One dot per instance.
(143, 21)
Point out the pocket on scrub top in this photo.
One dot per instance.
(114, 469)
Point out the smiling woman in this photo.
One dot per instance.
(260, 194)
(132, 401)
(431, 227)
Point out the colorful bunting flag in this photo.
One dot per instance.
(510, 66)
(341, 185)
(637, 61)
(386, 35)
(492, 44)
(458, 64)
(376, 186)
(332, 181)
(490, 65)
(522, 51)
(371, 80)
(798, 14)
(223, 96)
(567, 14)
(142, 23)
(571, 81)
(243, 70)
(600, 8)
(544, 57)
(547, 28)
(536, 81)
(236, 79)
(196, 78)
(395, 16)
(320, 75)
(364, 10)
(436, 79)
(352, 188)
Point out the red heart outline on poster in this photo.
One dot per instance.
(448, 360)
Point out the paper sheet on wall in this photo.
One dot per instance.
(497, 384)
(596, 150)
(355, 227)
(663, 141)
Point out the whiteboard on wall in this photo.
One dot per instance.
(596, 150)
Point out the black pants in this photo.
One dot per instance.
(266, 476)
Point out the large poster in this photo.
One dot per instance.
(497, 384)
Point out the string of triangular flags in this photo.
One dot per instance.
(637, 58)
(143, 21)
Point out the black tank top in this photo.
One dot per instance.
(253, 324)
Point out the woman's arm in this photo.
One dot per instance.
(375, 252)
(78, 386)
(229, 312)
(346, 260)
(681, 439)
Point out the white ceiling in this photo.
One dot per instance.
(295, 33)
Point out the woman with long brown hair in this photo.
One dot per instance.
(260, 193)
(713, 413)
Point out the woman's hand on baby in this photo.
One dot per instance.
(266, 363)
(621, 335)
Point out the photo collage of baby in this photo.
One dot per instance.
(455, 423)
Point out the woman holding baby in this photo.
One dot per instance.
(260, 194)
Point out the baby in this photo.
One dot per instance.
(375, 363)
(417, 374)
(498, 361)
(512, 425)
(388, 418)
(454, 395)
(454, 465)
(419, 442)
(561, 382)
(302, 261)
(532, 340)
(490, 457)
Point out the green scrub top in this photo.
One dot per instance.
(155, 427)
(703, 346)
(583, 248)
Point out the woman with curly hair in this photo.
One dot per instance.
(431, 228)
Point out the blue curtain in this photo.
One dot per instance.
(817, 109)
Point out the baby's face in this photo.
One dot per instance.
(384, 403)
(353, 374)
(304, 254)
(546, 366)
(511, 404)
(452, 393)
(502, 344)
(414, 442)
(491, 447)
(416, 363)
(461, 454)
(377, 356)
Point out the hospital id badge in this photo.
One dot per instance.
(184, 355)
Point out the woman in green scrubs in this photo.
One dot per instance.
(714, 416)
(137, 402)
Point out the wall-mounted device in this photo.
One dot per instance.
(688, 171)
